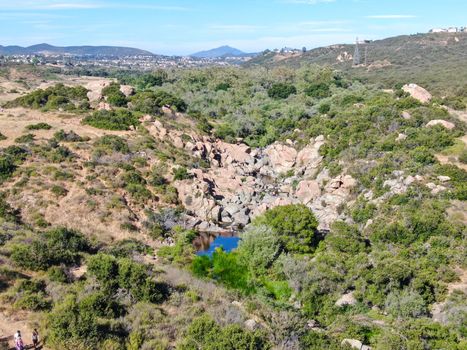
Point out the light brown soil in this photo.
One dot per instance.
(13, 123)
(11, 321)
(461, 284)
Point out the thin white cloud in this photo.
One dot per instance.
(20, 5)
(47, 5)
(391, 16)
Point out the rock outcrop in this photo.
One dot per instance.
(242, 183)
(417, 92)
(444, 123)
(356, 344)
(95, 90)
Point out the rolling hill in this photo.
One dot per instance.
(47, 49)
(433, 60)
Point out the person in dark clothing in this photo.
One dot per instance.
(35, 338)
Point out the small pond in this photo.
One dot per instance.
(206, 244)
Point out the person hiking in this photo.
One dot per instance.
(19, 345)
(17, 335)
(35, 338)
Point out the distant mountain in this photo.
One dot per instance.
(45, 49)
(223, 51)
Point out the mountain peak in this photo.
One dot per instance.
(221, 51)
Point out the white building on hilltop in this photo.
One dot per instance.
(449, 30)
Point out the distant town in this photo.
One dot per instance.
(449, 30)
(140, 62)
(144, 60)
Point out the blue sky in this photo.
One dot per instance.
(186, 26)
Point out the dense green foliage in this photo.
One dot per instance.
(151, 102)
(114, 96)
(396, 254)
(119, 119)
(281, 91)
(10, 158)
(52, 248)
(295, 225)
(39, 126)
(204, 333)
(54, 98)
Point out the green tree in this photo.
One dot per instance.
(295, 224)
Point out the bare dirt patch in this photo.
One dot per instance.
(13, 124)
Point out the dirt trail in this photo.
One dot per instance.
(11, 322)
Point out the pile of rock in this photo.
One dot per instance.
(242, 183)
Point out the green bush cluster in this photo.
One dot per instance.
(10, 158)
(114, 96)
(54, 247)
(295, 224)
(71, 136)
(122, 273)
(204, 333)
(39, 126)
(151, 102)
(54, 98)
(109, 144)
(281, 90)
(119, 119)
(223, 267)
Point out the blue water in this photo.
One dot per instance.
(227, 243)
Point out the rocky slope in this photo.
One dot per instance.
(242, 182)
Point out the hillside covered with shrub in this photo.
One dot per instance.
(352, 229)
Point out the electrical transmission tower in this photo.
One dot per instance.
(366, 55)
(356, 55)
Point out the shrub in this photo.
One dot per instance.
(125, 274)
(54, 97)
(31, 295)
(259, 247)
(295, 225)
(281, 91)
(225, 268)
(71, 326)
(6, 211)
(27, 138)
(71, 136)
(114, 96)
(318, 90)
(181, 173)
(152, 101)
(2, 137)
(111, 143)
(147, 81)
(39, 126)
(55, 247)
(183, 251)
(57, 274)
(405, 303)
(7, 167)
(112, 120)
(324, 108)
(204, 333)
(59, 191)
(463, 157)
